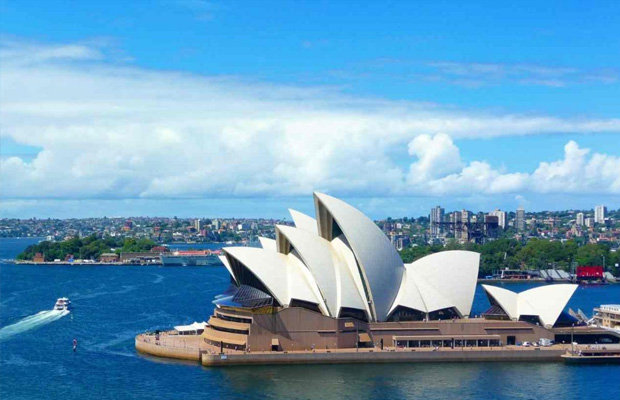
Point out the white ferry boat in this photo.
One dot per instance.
(190, 258)
(62, 304)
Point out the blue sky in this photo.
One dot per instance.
(394, 105)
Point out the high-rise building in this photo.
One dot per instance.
(455, 224)
(437, 216)
(599, 214)
(466, 216)
(465, 219)
(589, 222)
(520, 219)
(580, 219)
(501, 217)
(198, 225)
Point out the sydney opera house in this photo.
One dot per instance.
(335, 284)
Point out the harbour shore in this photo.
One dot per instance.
(78, 263)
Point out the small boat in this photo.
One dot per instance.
(62, 304)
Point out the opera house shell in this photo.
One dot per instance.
(542, 305)
(342, 265)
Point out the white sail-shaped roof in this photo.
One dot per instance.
(344, 264)
(433, 298)
(303, 221)
(453, 273)
(380, 266)
(268, 266)
(504, 298)
(351, 293)
(224, 261)
(283, 275)
(409, 295)
(438, 281)
(316, 254)
(336, 283)
(545, 302)
(267, 244)
(301, 283)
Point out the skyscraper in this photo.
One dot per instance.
(599, 214)
(437, 216)
(501, 218)
(580, 219)
(520, 219)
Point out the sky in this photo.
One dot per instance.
(244, 108)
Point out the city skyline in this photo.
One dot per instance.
(269, 210)
(232, 108)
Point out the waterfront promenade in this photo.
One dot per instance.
(194, 348)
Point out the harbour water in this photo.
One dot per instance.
(113, 304)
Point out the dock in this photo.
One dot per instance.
(599, 355)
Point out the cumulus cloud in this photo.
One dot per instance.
(110, 131)
(577, 172)
(436, 156)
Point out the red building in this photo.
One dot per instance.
(590, 273)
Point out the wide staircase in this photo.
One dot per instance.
(227, 331)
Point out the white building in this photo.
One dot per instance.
(436, 217)
(580, 219)
(501, 217)
(599, 214)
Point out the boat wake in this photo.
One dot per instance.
(32, 322)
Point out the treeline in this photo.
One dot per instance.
(88, 248)
(535, 254)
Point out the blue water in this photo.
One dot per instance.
(113, 304)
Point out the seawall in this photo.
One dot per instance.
(168, 351)
(502, 355)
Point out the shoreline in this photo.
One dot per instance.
(81, 263)
(192, 348)
(101, 264)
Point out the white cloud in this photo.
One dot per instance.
(18, 53)
(578, 173)
(116, 132)
(480, 74)
(437, 156)
(575, 173)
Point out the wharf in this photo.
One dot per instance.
(607, 354)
